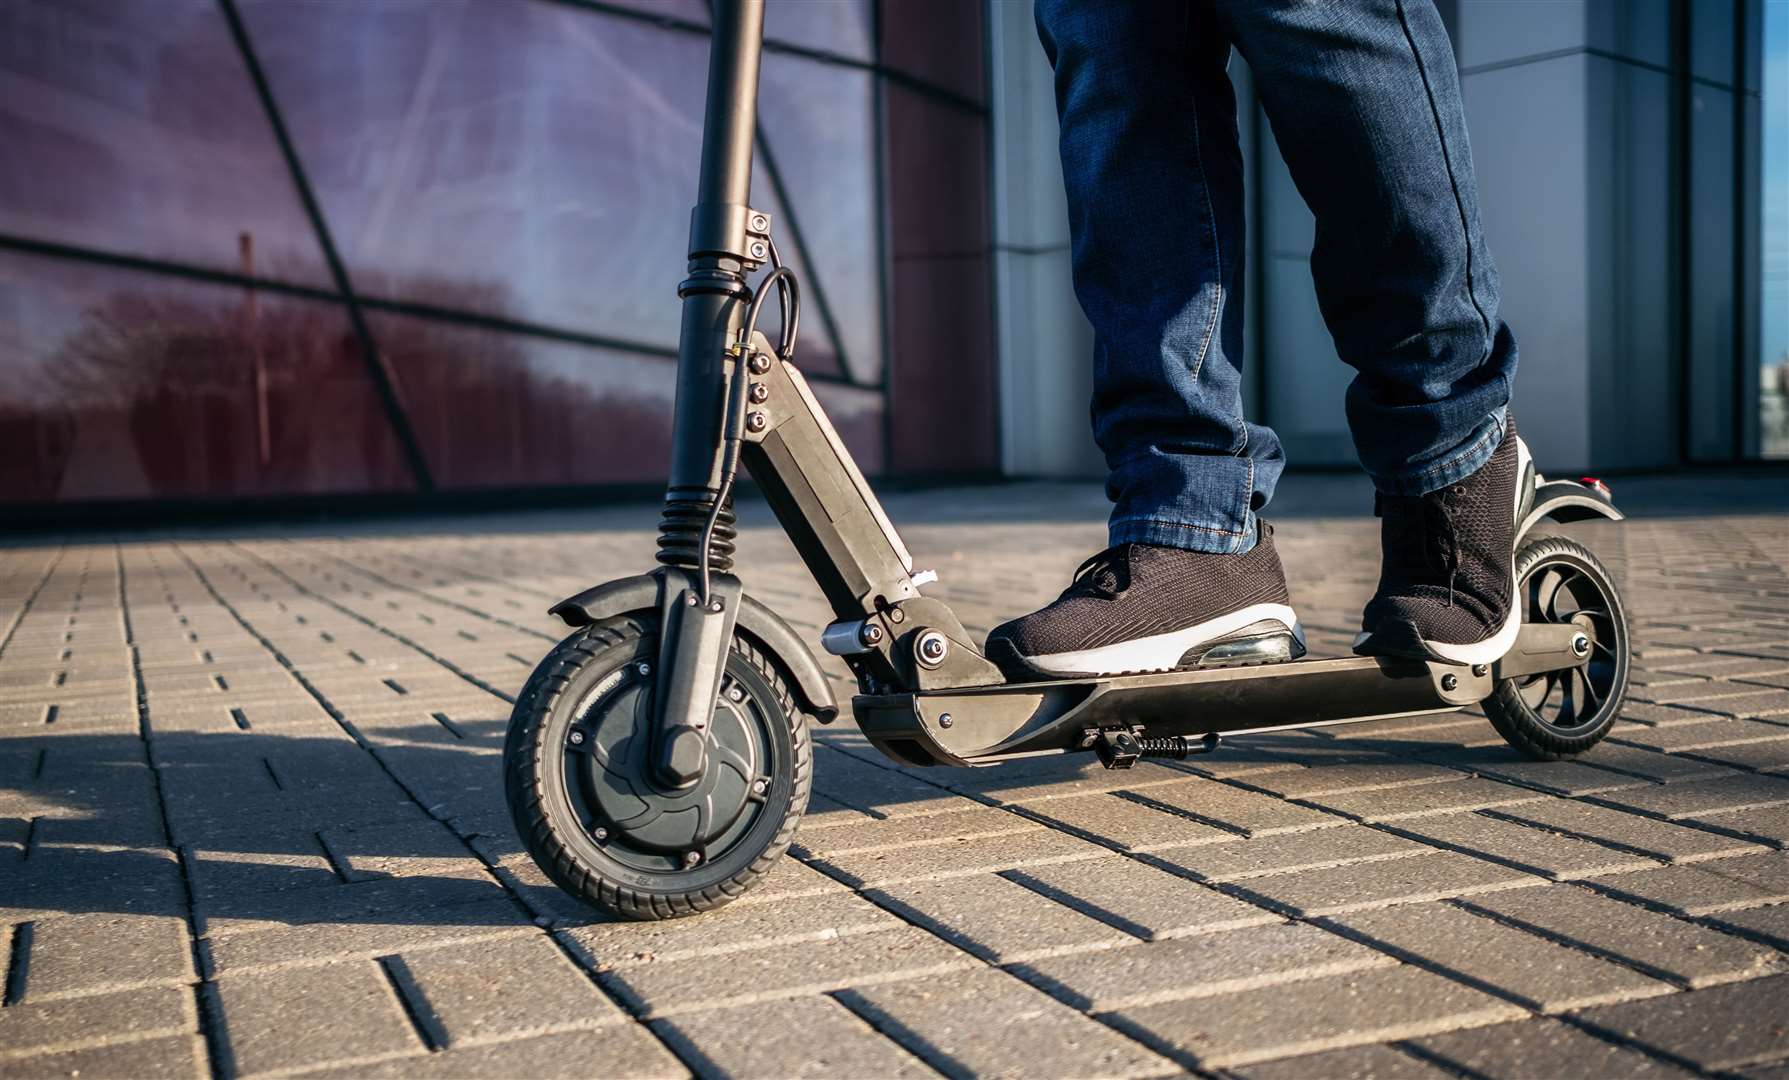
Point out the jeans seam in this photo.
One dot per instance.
(1441, 468)
(1217, 251)
(1178, 525)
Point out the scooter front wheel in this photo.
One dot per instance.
(577, 772)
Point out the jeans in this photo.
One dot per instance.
(1364, 100)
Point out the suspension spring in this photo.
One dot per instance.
(1178, 747)
(680, 532)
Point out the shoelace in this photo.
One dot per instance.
(1099, 575)
(1422, 533)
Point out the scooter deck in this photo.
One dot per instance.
(982, 725)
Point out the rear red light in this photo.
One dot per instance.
(1592, 482)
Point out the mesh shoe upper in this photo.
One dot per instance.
(1135, 591)
(1446, 564)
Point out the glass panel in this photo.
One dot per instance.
(497, 409)
(1774, 298)
(118, 384)
(819, 121)
(131, 125)
(534, 161)
(834, 26)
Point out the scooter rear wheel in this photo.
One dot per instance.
(1560, 714)
(577, 775)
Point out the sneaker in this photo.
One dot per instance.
(1141, 607)
(1447, 579)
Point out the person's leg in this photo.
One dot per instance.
(1365, 103)
(1153, 171)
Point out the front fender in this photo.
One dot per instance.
(1568, 500)
(767, 629)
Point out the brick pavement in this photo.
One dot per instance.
(251, 824)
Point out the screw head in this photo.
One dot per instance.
(1449, 682)
(760, 223)
(760, 249)
(576, 738)
(691, 858)
(1580, 645)
(931, 647)
(758, 393)
(755, 421)
(945, 720)
(735, 692)
(1481, 670)
(760, 786)
(600, 833)
(643, 668)
(759, 363)
(871, 634)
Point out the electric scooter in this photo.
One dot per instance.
(658, 762)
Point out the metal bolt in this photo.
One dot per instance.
(759, 363)
(1481, 670)
(735, 693)
(931, 648)
(871, 634)
(1449, 682)
(601, 834)
(944, 720)
(689, 599)
(759, 223)
(755, 421)
(643, 668)
(717, 606)
(760, 786)
(758, 393)
(760, 249)
(691, 858)
(1580, 645)
(576, 738)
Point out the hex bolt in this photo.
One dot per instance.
(1449, 682)
(1580, 645)
(871, 634)
(931, 648)
(759, 363)
(735, 693)
(691, 858)
(1481, 670)
(755, 421)
(944, 720)
(576, 738)
(760, 786)
(758, 393)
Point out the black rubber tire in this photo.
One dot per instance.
(1510, 713)
(557, 840)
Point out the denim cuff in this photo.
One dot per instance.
(1460, 464)
(1221, 538)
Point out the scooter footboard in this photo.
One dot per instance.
(985, 724)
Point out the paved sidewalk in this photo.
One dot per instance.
(251, 823)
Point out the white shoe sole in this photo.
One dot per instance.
(1494, 647)
(1162, 652)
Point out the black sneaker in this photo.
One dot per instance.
(1140, 607)
(1447, 580)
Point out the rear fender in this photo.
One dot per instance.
(1566, 501)
(635, 595)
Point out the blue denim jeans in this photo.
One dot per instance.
(1364, 101)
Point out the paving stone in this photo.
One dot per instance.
(1397, 804)
(1060, 777)
(1124, 824)
(1541, 974)
(1706, 888)
(950, 827)
(1373, 1006)
(1770, 756)
(1624, 830)
(1236, 809)
(997, 919)
(83, 954)
(322, 942)
(1740, 791)
(1756, 703)
(1334, 779)
(834, 1042)
(173, 1057)
(1204, 966)
(1720, 733)
(1770, 923)
(627, 1051)
(1768, 823)
(1723, 1027)
(1550, 854)
(988, 1023)
(1650, 764)
(1543, 1048)
(885, 866)
(504, 988)
(789, 923)
(1378, 1062)
(1139, 899)
(1285, 853)
(1660, 944)
(308, 1017)
(73, 1023)
(1432, 876)
(883, 792)
(766, 974)
(58, 881)
(392, 900)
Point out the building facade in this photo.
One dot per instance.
(271, 249)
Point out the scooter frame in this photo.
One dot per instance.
(928, 695)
